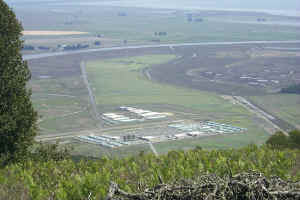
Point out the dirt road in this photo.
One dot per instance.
(96, 115)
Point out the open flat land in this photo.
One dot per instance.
(142, 78)
(284, 106)
(121, 82)
(116, 26)
(233, 70)
(194, 83)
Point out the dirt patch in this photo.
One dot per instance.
(231, 70)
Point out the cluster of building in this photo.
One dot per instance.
(118, 117)
(106, 141)
(133, 115)
(146, 114)
(206, 128)
(175, 131)
(257, 81)
(110, 141)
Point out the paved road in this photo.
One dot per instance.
(118, 129)
(52, 54)
(153, 149)
(259, 112)
(91, 96)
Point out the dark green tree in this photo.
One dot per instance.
(17, 116)
(278, 141)
(295, 139)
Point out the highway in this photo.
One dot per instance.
(62, 53)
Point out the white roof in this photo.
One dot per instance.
(150, 114)
(109, 114)
(180, 135)
(127, 120)
(195, 133)
(121, 118)
(156, 117)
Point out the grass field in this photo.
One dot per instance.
(139, 26)
(284, 106)
(120, 82)
(62, 105)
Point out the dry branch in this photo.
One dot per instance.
(245, 186)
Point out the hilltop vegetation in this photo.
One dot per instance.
(281, 141)
(67, 179)
(41, 172)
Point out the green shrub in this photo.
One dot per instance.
(280, 141)
(66, 179)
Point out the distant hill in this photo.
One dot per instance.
(187, 4)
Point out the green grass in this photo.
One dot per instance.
(254, 135)
(67, 123)
(120, 82)
(59, 114)
(284, 106)
(97, 151)
(139, 26)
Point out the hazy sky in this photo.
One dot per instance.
(291, 5)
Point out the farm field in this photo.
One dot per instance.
(284, 106)
(138, 78)
(62, 105)
(121, 81)
(130, 26)
(246, 70)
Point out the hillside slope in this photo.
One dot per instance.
(70, 180)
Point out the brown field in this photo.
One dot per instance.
(47, 33)
(233, 69)
(221, 69)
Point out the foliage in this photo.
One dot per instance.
(77, 180)
(293, 89)
(295, 139)
(13, 189)
(17, 116)
(46, 152)
(280, 140)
